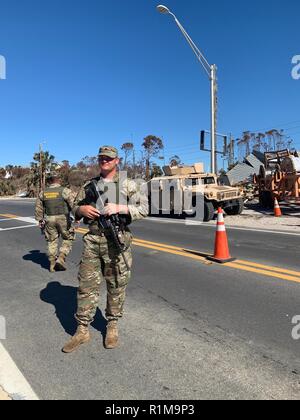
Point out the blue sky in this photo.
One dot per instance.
(81, 73)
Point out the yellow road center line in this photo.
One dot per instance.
(263, 272)
(269, 271)
(9, 216)
(80, 230)
(149, 244)
(239, 264)
(277, 269)
(164, 248)
(171, 251)
(159, 244)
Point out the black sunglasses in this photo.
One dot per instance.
(105, 158)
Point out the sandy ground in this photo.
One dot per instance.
(4, 396)
(254, 216)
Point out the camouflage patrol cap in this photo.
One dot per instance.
(53, 174)
(54, 171)
(109, 151)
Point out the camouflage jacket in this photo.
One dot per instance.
(129, 193)
(68, 196)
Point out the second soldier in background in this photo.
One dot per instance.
(52, 211)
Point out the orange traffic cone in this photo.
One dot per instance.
(221, 254)
(277, 210)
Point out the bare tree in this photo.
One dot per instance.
(244, 145)
(175, 161)
(127, 149)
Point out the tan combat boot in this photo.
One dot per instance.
(111, 339)
(52, 262)
(82, 336)
(61, 263)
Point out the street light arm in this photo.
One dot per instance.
(211, 72)
(194, 47)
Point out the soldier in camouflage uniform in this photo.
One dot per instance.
(52, 211)
(101, 259)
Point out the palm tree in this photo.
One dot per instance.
(45, 163)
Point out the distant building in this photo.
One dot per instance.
(243, 172)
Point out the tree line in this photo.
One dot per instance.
(142, 163)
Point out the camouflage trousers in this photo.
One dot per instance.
(100, 261)
(56, 227)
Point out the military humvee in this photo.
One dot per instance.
(177, 191)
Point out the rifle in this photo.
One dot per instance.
(43, 227)
(114, 225)
(43, 222)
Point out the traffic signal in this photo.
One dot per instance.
(202, 140)
(225, 151)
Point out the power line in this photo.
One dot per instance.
(182, 150)
(292, 128)
(275, 125)
(181, 147)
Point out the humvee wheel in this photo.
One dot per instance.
(209, 211)
(235, 209)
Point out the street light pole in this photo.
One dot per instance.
(213, 83)
(211, 71)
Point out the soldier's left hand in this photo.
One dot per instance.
(111, 209)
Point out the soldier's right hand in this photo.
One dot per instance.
(89, 212)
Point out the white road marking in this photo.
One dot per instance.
(12, 380)
(27, 220)
(193, 223)
(31, 220)
(277, 232)
(177, 222)
(22, 200)
(15, 228)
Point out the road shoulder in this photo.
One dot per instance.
(12, 380)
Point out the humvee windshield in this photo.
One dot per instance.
(209, 181)
(191, 182)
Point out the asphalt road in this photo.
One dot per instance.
(192, 330)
